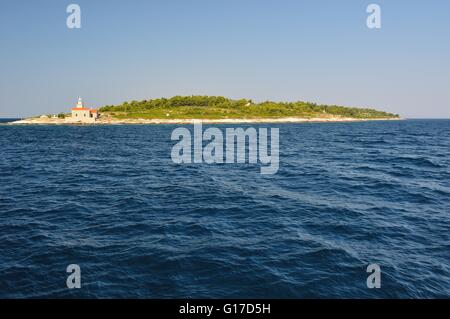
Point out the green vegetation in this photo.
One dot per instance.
(216, 107)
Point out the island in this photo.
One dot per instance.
(210, 109)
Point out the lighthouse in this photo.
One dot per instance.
(82, 114)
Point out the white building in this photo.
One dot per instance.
(82, 114)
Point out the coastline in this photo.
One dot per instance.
(114, 121)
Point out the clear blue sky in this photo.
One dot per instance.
(313, 50)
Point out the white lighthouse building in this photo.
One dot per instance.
(82, 114)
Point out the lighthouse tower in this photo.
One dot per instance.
(79, 104)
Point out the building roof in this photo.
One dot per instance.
(84, 109)
(80, 107)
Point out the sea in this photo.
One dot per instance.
(110, 200)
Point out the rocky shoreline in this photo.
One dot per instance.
(115, 121)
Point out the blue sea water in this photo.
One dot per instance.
(109, 199)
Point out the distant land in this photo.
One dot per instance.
(218, 109)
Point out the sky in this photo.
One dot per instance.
(282, 50)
